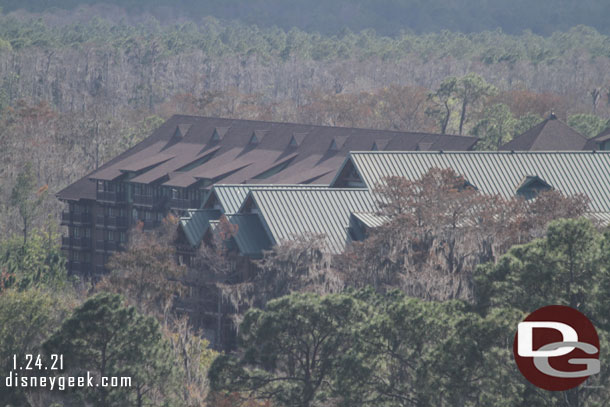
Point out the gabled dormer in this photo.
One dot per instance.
(379, 145)
(249, 206)
(181, 130)
(337, 143)
(348, 177)
(219, 133)
(257, 136)
(296, 139)
(531, 185)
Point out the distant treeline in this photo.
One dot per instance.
(385, 16)
(221, 38)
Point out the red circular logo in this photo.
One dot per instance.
(556, 348)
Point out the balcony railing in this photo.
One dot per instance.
(107, 245)
(146, 200)
(184, 203)
(73, 217)
(111, 196)
(80, 267)
(78, 242)
(150, 224)
(112, 221)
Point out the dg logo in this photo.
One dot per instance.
(556, 348)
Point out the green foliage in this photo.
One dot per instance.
(150, 39)
(27, 318)
(292, 349)
(569, 266)
(369, 349)
(495, 128)
(110, 339)
(27, 197)
(557, 269)
(387, 16)
(471, 89)
(40, 263)
(5, 45)
(589, 125)
(526, 122)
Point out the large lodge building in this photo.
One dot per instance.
(174, 169)
(278, 181)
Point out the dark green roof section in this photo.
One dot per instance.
(230, 197)
(251, 238)
(290, 213)
(196, 223)
(502, 173)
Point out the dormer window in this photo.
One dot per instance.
(531, 186)
(257, 136)
(219, 133)
(181, 130)
(379, 145)
(337, 143)
(296, 139)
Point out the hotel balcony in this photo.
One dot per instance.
(143, 200)
(107, 245)
(76, 242)
(112, 221)
(184, 203)
(111, 196)
(80, 267)
(68, 218)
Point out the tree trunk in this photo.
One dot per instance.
(463, 116)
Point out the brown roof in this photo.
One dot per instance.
(594, 143)
(183, 150)
(550, 135)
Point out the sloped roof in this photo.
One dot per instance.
(594, 143)
(251, 238)
(550, 135)
(571, 173)
(362, 222)
(233, 145)
(289, 213)
(196, 223)
(231, 196)
(371, 219)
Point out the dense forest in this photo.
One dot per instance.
(81, 82)
(384, 16)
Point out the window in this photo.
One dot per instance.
(87, 232)
(100, 186)
(76, 232)
(111, 211)
(148, 215)
(122, 237)
(110, 236)
(175, 193)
